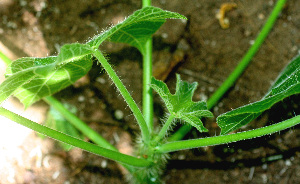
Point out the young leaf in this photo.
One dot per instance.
(22, 74)
(287, 84)
(137, 28)
(180, 104)
(51, 74)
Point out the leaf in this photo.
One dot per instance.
(12, 83)
(73, 52)
(180, 104)
(31, 79)
(20, 76)
(137, 28)
(51, 74)
(288, 78)
(287, 84)
(289, 70)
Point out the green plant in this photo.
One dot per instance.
(32, 79)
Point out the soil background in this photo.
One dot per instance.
(199, 50)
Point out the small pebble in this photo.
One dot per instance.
(92, 100)
(264, 178)
(81, 98)
(288, 163)
(181, 157)
(211, 89)
(55, 175)
(261, 16)
(100, 80)
(264, 166)
(104, 164)
(164, 35)
(119, 114)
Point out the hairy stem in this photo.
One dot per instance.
(132, 105)
(229, 82)
(74, 120)
(165, 128)
(110, 154)
(71, 118)
(224, 139)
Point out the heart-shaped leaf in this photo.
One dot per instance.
(137, 28)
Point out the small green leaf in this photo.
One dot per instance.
(20, 73)
(137, 28)
(48, 75)
(287, 84)
(180, 104)
(58, 79)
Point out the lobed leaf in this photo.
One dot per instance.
(180, 104)
(137, 28)
(287, 84)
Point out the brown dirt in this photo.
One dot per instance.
(201, 50)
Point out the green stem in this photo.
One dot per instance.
(224, 139)
(110, 154)
(6, 60)
(132, 105)
(146, 3)
(80, 125)
(147, 90)
(74, 120)
(248, 56)
(147, 74)
(165, 128)
(229, 82)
